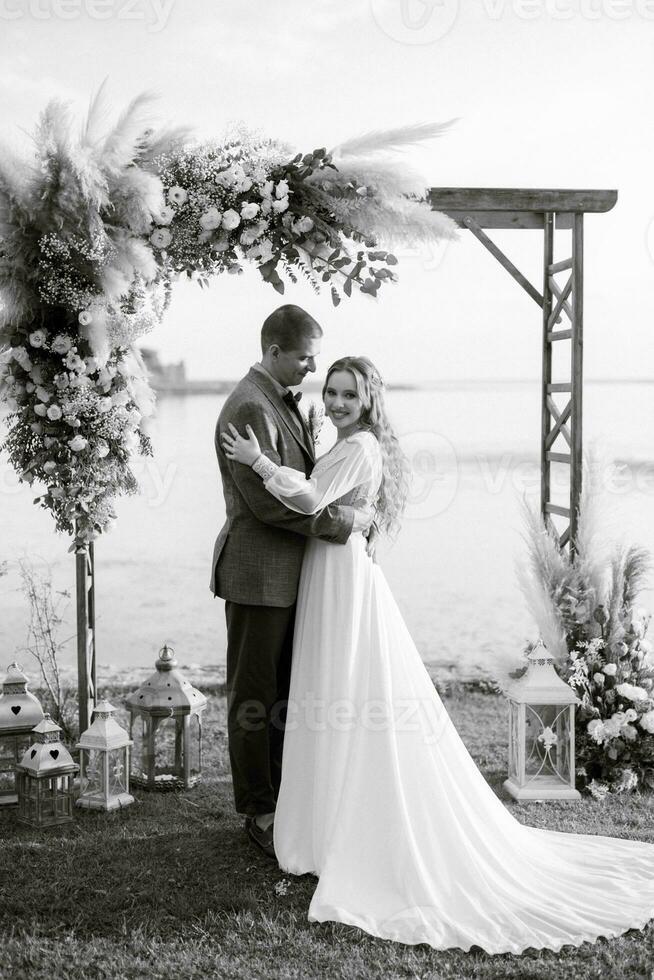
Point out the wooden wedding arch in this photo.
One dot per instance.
(477, 209)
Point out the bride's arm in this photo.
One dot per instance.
(351, 463)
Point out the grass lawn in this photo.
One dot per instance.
(171, 888)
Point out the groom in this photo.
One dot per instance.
(257, 560)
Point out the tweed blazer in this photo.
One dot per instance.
(258, 554)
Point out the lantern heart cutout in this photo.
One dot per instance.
(32, 753)
(54, 753)
(15, 709)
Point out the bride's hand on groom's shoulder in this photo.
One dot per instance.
(241, 449)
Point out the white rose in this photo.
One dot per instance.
(629, 732)
(43, 394)
(231, 219)
(40, 409)
(647, 722)
(105, 405)
(630, 714)
(130, 441)
(49, 466)
(61, 344)
(102, 449)
(282, 189)
(632, 692)
(303, 225)
(91, 365)
(165, 216)
(249, 211)
(85, 318)
(596, 730)
(38, 338)
(177, 195)
(211, 219)
(266, 189)
(54, 413)
(161, 238)
(30, 387)
(245, 185)
(248, 237)
(221, 245)
(281, 205)
(77, 443)
(599, 679)
(73, 361)
(121, 413)
(610, 670)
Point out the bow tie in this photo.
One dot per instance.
(292, 399)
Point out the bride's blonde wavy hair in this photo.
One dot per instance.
(392, 496)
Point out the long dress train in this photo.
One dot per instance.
(380, 798)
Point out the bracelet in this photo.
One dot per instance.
(264, 467)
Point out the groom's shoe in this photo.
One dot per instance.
(262, 838)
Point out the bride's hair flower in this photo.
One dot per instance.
(177, 195)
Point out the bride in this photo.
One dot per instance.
(379, 796)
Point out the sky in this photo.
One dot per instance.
(547, 94)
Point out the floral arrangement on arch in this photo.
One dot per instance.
(586, 608)
(96, 228)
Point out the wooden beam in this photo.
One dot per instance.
(576, 397)
(556, 509)
(546, 378)
(554, 315)
(538, 200)
(567, 309)
(559, 266)
(503, 260)
(506, 219)
(559, 335)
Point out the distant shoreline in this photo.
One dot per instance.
(209, 386)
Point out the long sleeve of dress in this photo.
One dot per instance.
(351, 463)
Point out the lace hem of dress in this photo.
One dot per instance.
(264, 467)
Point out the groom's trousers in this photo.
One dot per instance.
(259, 649)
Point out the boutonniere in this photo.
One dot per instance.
(315, 419)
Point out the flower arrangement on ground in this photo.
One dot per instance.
(586, 608)
(95, 229)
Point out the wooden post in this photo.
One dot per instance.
(86, 679)
(546, 378)
(576, 449)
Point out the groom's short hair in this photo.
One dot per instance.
(288, 326)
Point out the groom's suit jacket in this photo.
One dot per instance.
(258, 553)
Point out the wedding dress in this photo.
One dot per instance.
(379, 796)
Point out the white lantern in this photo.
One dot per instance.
(20, 712)
(46, 779)
(104, 762)
(166, 726)
(541, 733)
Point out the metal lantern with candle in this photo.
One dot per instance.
(20, 711)
(166, 728)
(46, 778)
(104, 762)
(541, 733)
